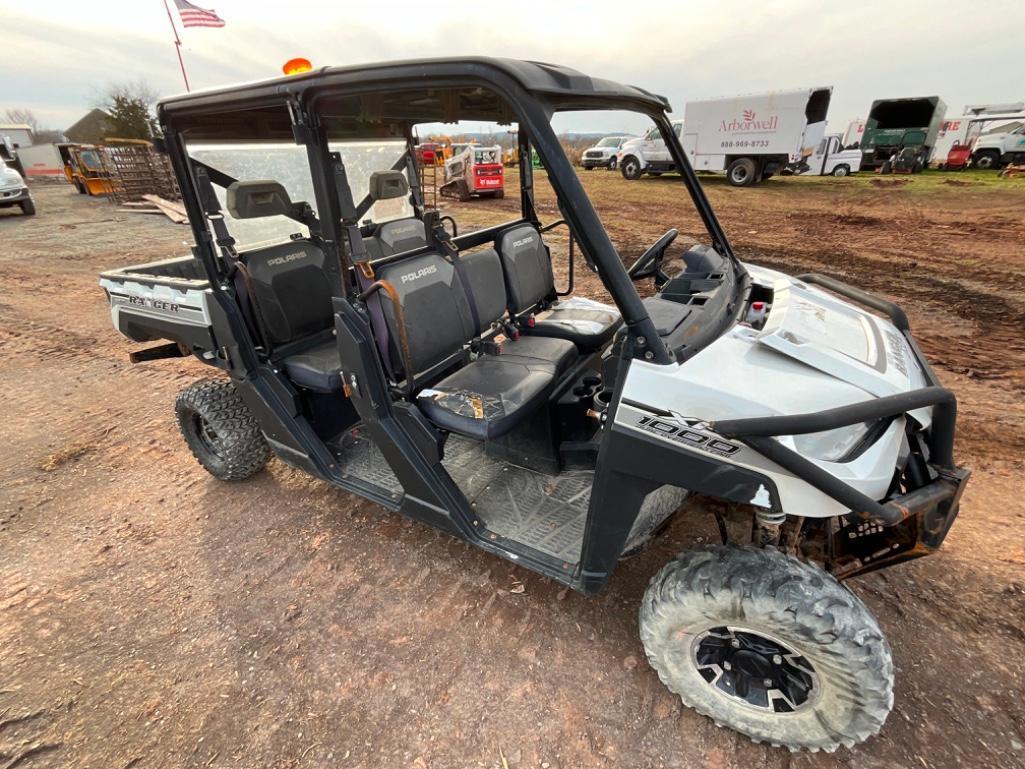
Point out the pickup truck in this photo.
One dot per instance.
(14, 191)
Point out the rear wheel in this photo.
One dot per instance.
(499, 193)
(28, 207)
(841, 170)
(771, 647)
(742, 172)
(220, 430)
(631, 168)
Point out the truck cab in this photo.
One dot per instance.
(647, 154)
(996, 150)
(830, 159)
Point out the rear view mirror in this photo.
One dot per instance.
(256, 199)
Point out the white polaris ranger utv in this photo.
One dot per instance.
(447, 377)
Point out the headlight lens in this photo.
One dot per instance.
(833, 445)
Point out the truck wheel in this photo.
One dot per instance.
(613, 164)
(631, 168)
(220, 430)
(499, 194)
(841, 170)
(986, 160)
(28, 207)
(769, 646)
(80, 187)
(742, 172)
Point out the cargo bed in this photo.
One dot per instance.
(162, 300)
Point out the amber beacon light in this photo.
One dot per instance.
(295, 66)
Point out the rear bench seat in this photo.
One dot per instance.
(531, 291)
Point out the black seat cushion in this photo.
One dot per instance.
(559, 352)
(488, 397)
(587, 324)
(317, 369)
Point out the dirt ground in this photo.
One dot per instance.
(151, 616)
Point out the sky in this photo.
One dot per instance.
(56, 56)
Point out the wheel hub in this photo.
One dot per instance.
(760, 671)
(207, 435)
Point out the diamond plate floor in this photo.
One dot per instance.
(544, 512)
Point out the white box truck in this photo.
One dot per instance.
(750, 138)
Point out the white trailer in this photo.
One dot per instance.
(41, 161)
(750, 138)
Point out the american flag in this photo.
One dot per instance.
(194, 16)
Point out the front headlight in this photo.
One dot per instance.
(834, 445)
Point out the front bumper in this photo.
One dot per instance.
(878, 533)
(11, 196)
(596, 162)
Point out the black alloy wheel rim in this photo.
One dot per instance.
(208, 437)
(755, 669)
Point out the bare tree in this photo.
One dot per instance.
(23, 116)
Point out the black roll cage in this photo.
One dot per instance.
(533, 111)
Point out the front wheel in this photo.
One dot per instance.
(769, 646)
(613, 164)
(631, 168)
(28, 207)
(220, 430)
(986, 160)
(841, 170)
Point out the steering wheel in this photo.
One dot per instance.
(650, 262)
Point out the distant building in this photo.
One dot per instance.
(16, 134)
(91, 128)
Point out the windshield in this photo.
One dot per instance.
(287, 164)
(610, 141)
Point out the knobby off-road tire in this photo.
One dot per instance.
(220, 430)
(720, 600)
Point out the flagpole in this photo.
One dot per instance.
(177, 46)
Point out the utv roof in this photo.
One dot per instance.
(562, 84)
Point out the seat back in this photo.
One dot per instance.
(527, 267)
(290, 290)
(482, 278)
(396, 237)
(436, 311)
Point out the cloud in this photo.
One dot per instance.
(56, 59)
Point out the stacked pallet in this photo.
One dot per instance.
(154, 204)
(135, 169)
